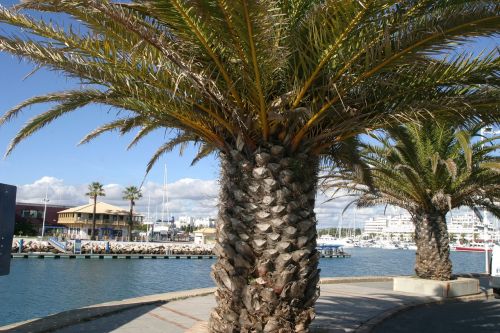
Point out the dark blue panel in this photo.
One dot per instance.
(7, 220)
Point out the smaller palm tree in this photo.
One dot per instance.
(96, 189)
(427, 169)
(131, 193)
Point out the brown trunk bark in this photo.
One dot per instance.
(92, 235)
(433, 248)
(266, 272)
(130, 222)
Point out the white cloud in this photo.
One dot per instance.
(328, 212)
(186, 196)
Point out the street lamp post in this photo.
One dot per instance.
(484, 131)
(45, 200)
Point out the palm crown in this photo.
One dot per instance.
(430, 165)
(132, 193)
(228, 74)
(95, 189)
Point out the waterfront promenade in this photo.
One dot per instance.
(354, 304)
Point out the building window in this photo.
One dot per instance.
(32, 213)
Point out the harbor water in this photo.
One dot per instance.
(39, 287)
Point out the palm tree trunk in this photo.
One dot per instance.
(130, 222)
(433, 248)
(266, 271)
(92, 237)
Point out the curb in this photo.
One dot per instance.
(71, 317)
(369, 325)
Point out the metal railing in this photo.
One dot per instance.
(61, 246)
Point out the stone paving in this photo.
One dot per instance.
(345, 305)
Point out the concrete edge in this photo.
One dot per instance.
(355, 279)
(369, 325)
(89, 313)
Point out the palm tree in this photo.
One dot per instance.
(429, 169)
(131, 193)
(95, 189)
(271, 86)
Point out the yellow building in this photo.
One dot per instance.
(111, 221)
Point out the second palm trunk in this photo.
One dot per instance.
(433, 248)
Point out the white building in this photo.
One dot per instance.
(184, 221)
(375, 226)
(400, 227)
(205, 222)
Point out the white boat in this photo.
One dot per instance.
(473, 247)
(387, 245)
(329, 240)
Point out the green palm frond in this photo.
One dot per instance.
(203, 151)
(68, 104)
(426, 166)
(179, 139)
(242, 74)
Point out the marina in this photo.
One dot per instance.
(67, 284)
(104, 256)
(326, 254)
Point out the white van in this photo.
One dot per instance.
(495, 271)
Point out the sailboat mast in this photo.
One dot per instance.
(148, 219)
(341, 222)
(163, 195)
(354, 228)
(166, 192)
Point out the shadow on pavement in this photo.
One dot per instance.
(337, 313)
(70, 321)
(456, 317)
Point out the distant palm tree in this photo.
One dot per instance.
(131, 193)
(270, 86)
(95, 190)
(428, 169)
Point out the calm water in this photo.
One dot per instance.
(38, 287)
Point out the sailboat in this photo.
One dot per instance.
(163, 226)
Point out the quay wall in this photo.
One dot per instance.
(99, 247)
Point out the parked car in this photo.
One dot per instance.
(495, 271)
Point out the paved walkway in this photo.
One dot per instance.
(345, 305)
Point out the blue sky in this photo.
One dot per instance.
(53, 151)
(50, 157)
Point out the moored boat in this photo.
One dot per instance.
(474, 247)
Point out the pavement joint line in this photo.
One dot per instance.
(337, 292)
(53, 325)
(180, 313)
(370, 324)
(167, 320)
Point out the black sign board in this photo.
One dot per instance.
(7, 220)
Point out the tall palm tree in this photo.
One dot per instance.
(95, 189)
(428, 169)
(131, 193)
(270, 86)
